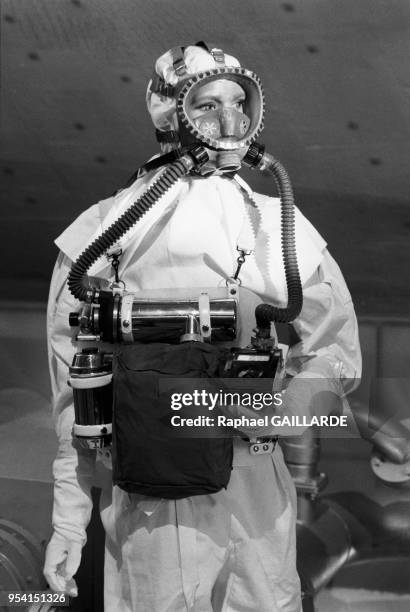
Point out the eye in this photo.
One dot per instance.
(206, 106)
(239, 105)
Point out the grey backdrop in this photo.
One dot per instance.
(337, 81)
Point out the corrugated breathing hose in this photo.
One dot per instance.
(76, 278)
(265, 313)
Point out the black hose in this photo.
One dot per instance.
(265, 313)
(76, 278)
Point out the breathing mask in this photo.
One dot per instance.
(224, 130)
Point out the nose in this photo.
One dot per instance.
(227, 123)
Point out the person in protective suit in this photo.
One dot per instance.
(233, 550)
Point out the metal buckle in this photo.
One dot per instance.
(262, 446)
(180, 67)
(240, 261)
(219, 56)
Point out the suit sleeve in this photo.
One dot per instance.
(327, 328)
(73, 468)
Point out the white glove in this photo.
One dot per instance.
(63, 557)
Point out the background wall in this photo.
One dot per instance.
(337, 81)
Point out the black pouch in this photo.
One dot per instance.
(150, 457)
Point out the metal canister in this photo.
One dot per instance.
(91, 381)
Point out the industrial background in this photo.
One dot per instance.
(74, 127)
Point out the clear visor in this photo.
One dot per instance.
(253, 109)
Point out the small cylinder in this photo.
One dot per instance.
(91, 381)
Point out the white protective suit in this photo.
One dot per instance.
(233, 551)
(237, 546)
